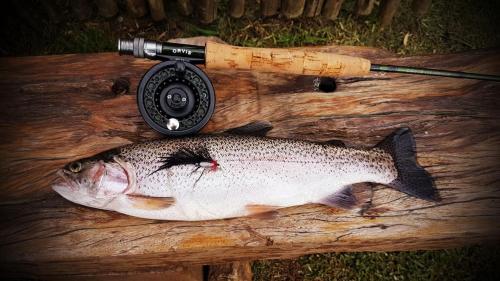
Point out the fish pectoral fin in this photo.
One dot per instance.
(150, 203)
(262, 211)
(255, 128)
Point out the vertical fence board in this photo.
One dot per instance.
(292, 8)
(53, 10)
(421, 6)
(157, 10)
(331, 9)
(206, 10)
(269, 8)
(185, 7)
(363, 7)
(106, 8)
(137, 8)
(313, 8)
(236, 8)
(82, 9)
(388, 9)
(235, 271)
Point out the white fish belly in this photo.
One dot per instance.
(280, 178)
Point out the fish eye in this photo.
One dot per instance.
(75, 167)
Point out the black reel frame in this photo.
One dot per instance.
(175, 97)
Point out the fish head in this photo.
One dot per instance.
(92, 182)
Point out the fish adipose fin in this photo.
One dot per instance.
(150, 203)
(256, 128)
(412, 178)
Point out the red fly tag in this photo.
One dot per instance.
(214, 165)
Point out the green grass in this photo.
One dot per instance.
(450, 26)
(470, 263)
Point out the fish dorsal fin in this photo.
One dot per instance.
(186, 156)
(150, 203)
(262, 211)
(344, 199)
(255, 128)
(338, 143)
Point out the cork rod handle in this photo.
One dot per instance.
(291, 61)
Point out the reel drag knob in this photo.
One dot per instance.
(176, 98)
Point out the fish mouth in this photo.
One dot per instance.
(64, 181)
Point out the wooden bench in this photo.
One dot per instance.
(55, 109)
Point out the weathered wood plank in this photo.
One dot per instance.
(235, 271)
(292, 8)
(363, 7)
(420, 6)
(236, 8)
(137, 8)
(388, 9)
(185, 7)
(157, 10)
(269, 8)
(331, 9)
(174, 273)
(52, 116)
(206, 10)
(82, 9)
(313, 8)
(107, 8)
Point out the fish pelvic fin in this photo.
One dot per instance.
(150, 203)
(412, 179)
(262, 211)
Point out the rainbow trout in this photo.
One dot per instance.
(224, 176)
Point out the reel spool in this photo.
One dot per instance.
(176, 98)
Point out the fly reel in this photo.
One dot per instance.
(176, 98)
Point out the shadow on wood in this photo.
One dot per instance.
(55, 109)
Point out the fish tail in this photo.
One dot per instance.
(412, 179)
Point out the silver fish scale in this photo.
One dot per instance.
(252, 170)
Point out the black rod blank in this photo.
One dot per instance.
(433, 72)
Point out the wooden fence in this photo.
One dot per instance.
(206, 10)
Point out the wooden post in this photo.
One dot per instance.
(106, 8)
(236, 271)
(363, 7)
(157, 10)
(269, 8)
(137, 8)
(292, 8)
(82, 9)
(53, 10)
(56, 109)
(331, 9)
(185, 7)
(388, 9)
(236, 8)
(207, 11)
(313, 8)
(420, 7)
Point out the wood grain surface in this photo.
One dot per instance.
(55, 109)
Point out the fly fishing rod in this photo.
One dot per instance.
(175, 97)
